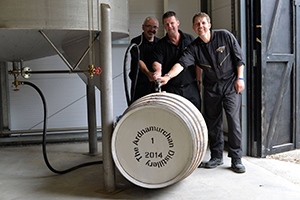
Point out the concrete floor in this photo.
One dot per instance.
(24, 176)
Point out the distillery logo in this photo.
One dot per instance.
(153, 157)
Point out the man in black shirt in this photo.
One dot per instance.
(167, 51)
(145, 42)
(220, 57)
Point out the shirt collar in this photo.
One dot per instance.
(212, 36)
(147, 41)
(182, 36)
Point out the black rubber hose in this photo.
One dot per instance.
(45, 133)
(129, 98)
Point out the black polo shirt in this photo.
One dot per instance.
(146, 55)
(218, 58)
(167, 54)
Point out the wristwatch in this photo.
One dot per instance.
(168, 75)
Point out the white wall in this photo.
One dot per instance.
(64, 93)
(120, 104)
(221, 14)
(185, 11)
(139, 10)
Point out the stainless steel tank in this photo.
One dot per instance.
(63, 21)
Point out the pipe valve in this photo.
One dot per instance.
(94, 70)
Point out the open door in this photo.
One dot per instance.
(273, 76)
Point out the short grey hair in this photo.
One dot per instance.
(151, 18)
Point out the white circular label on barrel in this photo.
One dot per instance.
(153, 145)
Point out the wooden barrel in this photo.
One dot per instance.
(160, 139)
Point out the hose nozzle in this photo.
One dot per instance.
(158, 88)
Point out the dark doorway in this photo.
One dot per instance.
(273, 77)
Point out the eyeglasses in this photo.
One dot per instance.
(149, 26)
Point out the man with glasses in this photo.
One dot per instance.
(167, 51)
(145, 42)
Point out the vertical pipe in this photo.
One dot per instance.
(16, 66)
(91, 106)
(4, 98)
(106, 98)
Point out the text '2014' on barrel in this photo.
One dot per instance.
(164, 159)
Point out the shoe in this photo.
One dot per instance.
(237, 166)
(214, 162)
(202, 165)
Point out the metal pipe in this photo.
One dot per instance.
(16, 66)
(75, 129)
(55, 72)
(4, 98)
(106, 98)
(91, 106)
(57, 51)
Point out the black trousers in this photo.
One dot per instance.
(190, 92)
(213, 114)
(143, 89)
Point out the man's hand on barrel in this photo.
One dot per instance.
(175, 70)
(164, 79)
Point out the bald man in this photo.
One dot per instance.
(145, 42)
